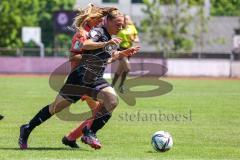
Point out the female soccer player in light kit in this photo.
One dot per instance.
(128, 35)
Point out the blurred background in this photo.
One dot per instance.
(189, 37)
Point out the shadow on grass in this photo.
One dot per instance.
(44, 149)
(153, 152)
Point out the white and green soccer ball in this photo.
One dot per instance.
(162, 141)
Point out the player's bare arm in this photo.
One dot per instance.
(90, 45)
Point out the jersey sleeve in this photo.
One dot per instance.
(134, 30)
(95, 34)
(77, 43)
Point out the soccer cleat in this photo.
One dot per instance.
(1, 117)
(69, 143)
(90, 139)
(23, 138)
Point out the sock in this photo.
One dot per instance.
(39, 118)
(124, 75)
(115, 79)
(77, 132)
(99, 122)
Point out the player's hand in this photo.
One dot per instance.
(130, 51)
(114, 41)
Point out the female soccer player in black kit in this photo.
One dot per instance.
(87, 79)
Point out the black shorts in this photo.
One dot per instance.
(75, 87)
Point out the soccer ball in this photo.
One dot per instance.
(162, 141)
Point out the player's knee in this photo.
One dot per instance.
(51, 108)
(58, 106)
(55, 108)
(126, 69)
(113, 104)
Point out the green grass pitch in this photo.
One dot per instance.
(206, 127)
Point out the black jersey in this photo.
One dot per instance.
(89, 73)
(94, 62)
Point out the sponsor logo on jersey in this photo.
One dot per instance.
(93, 33)
(111, 48)
(78, 45)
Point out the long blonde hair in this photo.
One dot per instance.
(90, 12)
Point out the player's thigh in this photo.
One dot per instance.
(126, 64)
